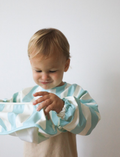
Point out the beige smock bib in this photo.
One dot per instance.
(62, 145)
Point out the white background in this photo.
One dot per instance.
(93, 31)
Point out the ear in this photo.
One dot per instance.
(67, 64)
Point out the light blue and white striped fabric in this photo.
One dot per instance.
(18, 116)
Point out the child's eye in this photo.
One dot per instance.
(38, 71)
(52, 71)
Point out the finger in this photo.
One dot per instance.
(44, 104)
(40, 94)
(41, 99)
(48, 109)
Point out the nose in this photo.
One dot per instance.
(45, 76)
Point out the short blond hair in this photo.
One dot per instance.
(47, 41)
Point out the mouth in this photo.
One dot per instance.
(45, 82)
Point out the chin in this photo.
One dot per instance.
(46, 87)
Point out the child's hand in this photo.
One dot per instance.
(49, 101)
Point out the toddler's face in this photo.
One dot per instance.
(48, 72)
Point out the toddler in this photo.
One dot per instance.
(66, 109)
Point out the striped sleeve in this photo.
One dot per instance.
(24, 121)
(80, 114)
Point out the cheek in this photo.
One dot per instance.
(58, 76)
(35, 75)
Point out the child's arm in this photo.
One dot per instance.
(80, 113)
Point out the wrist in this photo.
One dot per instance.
(61, 114)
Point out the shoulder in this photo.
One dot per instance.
(72, 89)
(73, 86)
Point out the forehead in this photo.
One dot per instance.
(42, 61)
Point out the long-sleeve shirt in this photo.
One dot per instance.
(18, 116)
